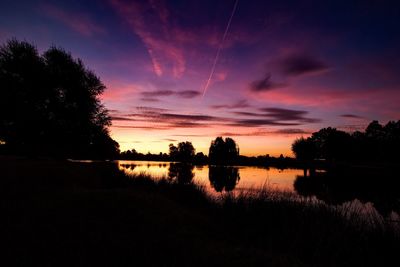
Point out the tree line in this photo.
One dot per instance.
(378, 143)
(221, 151)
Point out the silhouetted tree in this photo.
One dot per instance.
(173, 152)
(186, 151)
(200, 158)
(377, 143)
(49, 104)
(332, 144)
(223, 151)
(304, 149)
(183, 152)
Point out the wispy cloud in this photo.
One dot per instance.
(149, 99)
(300, 64)
(288, 131)
(162, 118)
(243, 103)
(151, 109)
(158, 93)
(78, 22)
(188, 94)
(282, 114)
(278, 116)
(351, 116)
(262, 122)
(153, 30)
(265, 84)
(165, 93)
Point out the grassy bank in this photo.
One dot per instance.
(64, 213)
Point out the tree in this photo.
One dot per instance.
(332, 144)
(173, 152)
(200, 158)
(304, 148)
(377, 143)
(50, 104)
(223, 151)
(184, 152)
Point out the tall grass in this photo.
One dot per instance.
(352, 234)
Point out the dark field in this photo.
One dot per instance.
(58, 213)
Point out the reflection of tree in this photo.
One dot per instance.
(340, 185)
(312, 185)
(223, 178)
(182, 173)
(128, 166)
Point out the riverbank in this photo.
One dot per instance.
(80, 214)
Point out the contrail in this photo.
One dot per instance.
(220, 48)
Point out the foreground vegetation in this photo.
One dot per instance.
(65, 213)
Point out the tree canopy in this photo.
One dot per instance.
(50, 104)
(223, 151)
(184, 152)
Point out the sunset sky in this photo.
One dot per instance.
(261, 72)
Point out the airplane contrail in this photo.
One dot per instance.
(220, 48)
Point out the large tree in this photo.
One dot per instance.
(304, 148)
(50, 104)
(223, 151)
(184, 152)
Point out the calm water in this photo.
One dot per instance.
(217, 179)
(336, 187)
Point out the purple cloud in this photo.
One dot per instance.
(265, 84)
(299, 64)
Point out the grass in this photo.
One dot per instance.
(62, 213)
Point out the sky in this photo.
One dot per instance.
(261, 72)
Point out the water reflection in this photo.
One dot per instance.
(128, 166)
(334, 186)
(216, 179)
(223, 178)
(340, 185)
(182, 173)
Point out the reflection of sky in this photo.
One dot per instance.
(286, 68)
(250, 177)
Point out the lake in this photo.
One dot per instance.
(334, 187)
(217, 179)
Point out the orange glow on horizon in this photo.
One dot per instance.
(145, 141)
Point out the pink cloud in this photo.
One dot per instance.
(169, 45)
(220, 76)
(379, 100)
(117, 91)
(154, 32)
(78, 22)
